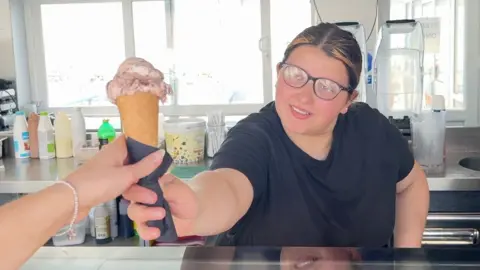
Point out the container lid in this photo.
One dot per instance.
(44, 114)
(438, 103)
(184, 122)
(19, 113)
(106, 120)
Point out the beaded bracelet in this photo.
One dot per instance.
(71, 233)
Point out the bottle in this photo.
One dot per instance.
(46, 137)
(106, 133)
(112, 211)
(63, 136)
(91, 217)
(125, 224)
(79, 132)
(21, 138)
(33, 121)
(102, 225)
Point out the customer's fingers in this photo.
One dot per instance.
(141, 213)
(114, 153)
(145, 166)
(140, 194)
(147, 233)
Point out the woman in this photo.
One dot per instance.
(310, 169)
(28, 223)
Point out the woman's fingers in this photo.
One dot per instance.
(147, 233)
(141, 213)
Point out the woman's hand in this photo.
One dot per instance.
(181, 199)
(105, 176)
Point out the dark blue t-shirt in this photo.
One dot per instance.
(348, 199)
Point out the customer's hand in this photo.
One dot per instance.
(105, 176)
(180, 197)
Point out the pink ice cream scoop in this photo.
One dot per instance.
(137, 75)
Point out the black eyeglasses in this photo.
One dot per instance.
(323, 88)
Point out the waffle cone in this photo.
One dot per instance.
(139, 115)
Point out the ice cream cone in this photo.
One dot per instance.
(139, 115)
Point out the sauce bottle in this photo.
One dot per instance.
(46, 137)
(63, 136)
(21, 137)
(33, 121)
(106, 133)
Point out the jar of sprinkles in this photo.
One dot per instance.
(185, 139)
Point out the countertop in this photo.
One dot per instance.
(31, 175)
(213, 258)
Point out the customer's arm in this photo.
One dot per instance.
(27, 223)
(412, 208)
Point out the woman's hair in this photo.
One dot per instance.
(336, 43)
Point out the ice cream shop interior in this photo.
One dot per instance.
(305, 98)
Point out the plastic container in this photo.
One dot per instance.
(161, 131)
(79, 238)
(398, 69)
(79, 131)
(46, 137)
(63, 136)
(185, 139)
(428, 138)
(106, 133)
(21, 137)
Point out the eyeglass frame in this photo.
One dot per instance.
(314, 81)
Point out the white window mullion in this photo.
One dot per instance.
(169, 24)
(266, 48)
(451, 53)
(471, 66)
(36, 52)
(128, 28)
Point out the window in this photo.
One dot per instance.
(217, 58)
(82, 42)
(442, 67)
(287, 19)
(217, 54)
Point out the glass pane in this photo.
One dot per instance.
(398, 9)
(217, 56)
(283, 30)
(150, 28)
(84, 43)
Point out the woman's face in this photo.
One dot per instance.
(299, 108)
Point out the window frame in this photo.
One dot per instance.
(37, 62)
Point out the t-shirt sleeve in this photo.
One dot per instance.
(399, 144)
(246, 150)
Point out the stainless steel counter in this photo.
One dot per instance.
(26, 176)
